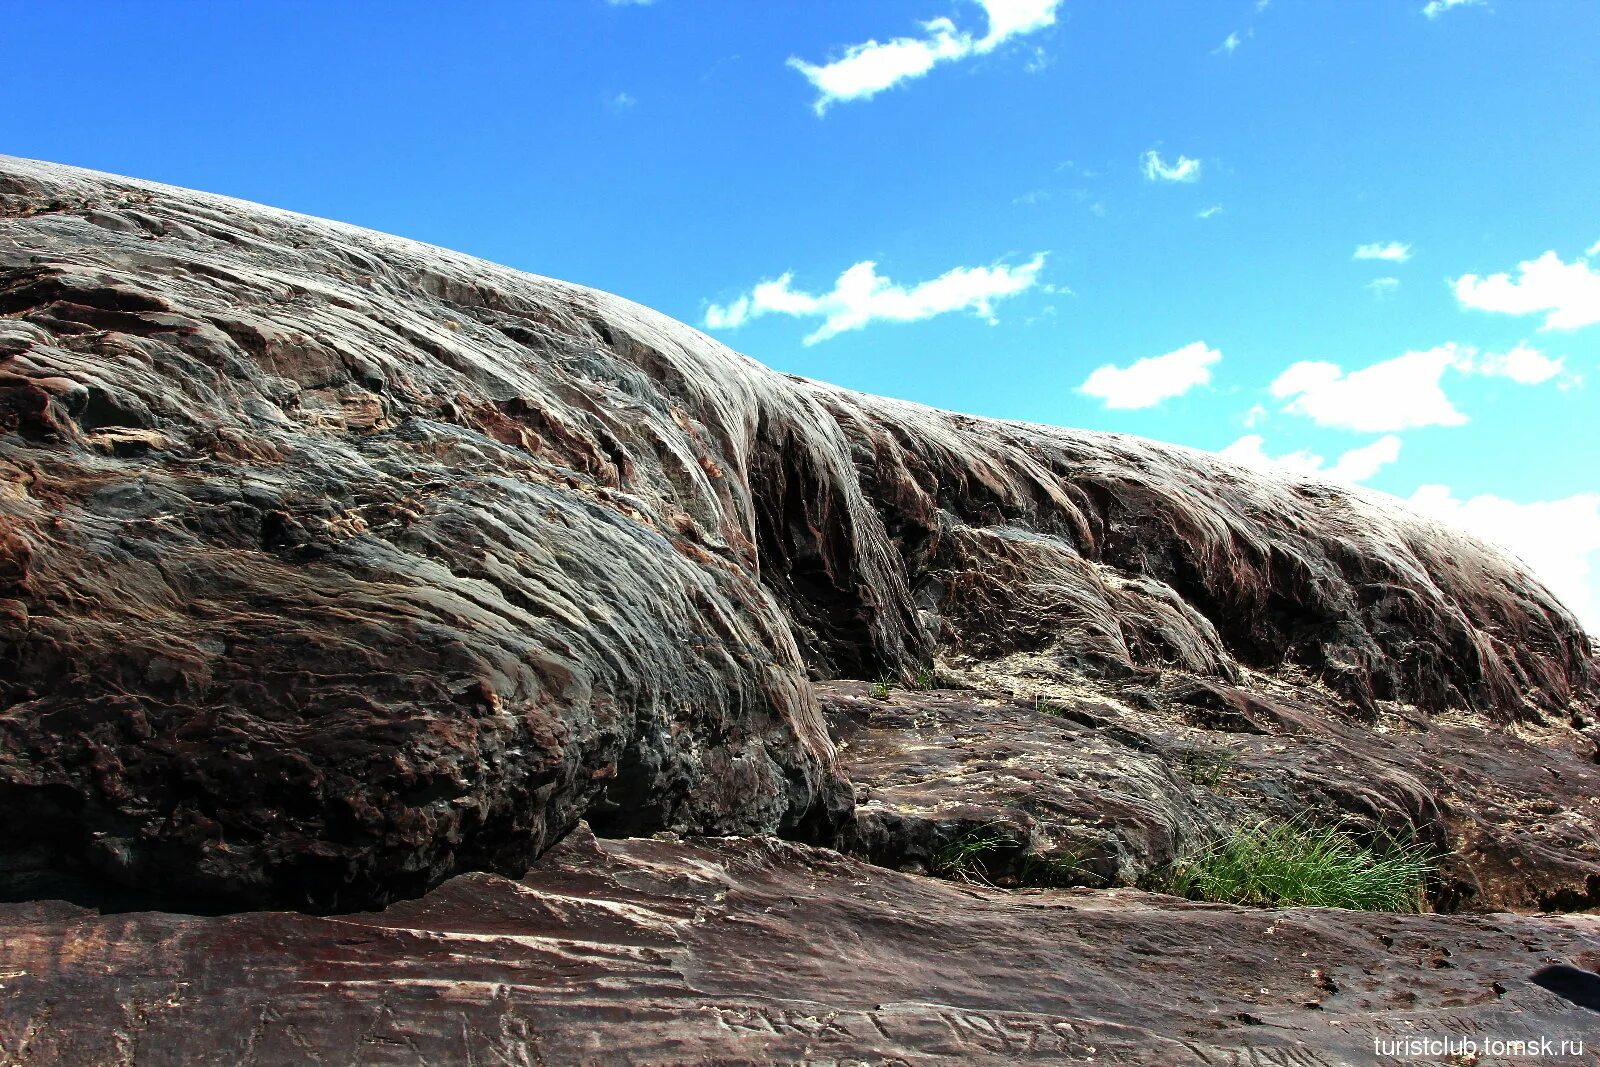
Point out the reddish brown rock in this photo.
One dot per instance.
(761, 952)
(1108, 789)
(333, 564)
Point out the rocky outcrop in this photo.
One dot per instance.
(748, 951)
(340, 572)
(1107, 788)
(333, 564)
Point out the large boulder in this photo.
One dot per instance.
(333, 564)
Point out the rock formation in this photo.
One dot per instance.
(334, 565)
(755, 951)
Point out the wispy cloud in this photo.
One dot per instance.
(1208, 212)
(1434, 8)
(621, 102)
(866, 69)
(861, 296)
(1156, 169)
(1388, 251)
(1402, 393)
(1230, 44)
(1354, 465)
(1147, 382)
(1382, 287)
(1557, 538)
(1567, 294)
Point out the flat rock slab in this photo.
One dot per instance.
(753, 950)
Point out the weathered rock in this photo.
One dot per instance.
(333, 564)
(404, 574)
(1107, 788)
(1051, 799)
(758, 952)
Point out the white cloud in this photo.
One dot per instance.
(868, 68)
(1434, 8)
(1558, 539)
(1230, 44)
(1390, 251)
(1384, 286)
(1359, 464)
(1156, 169)
(861, 295)
(1524, 365)
(1146, 382)
(1250, 451)
(1396, 394)
(1404, 392)
(621, 102)
(1009, 18)
(1568, 293)
(1355, 465)
(1206, 213)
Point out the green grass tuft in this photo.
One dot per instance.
(1048, 707)
(881, 688)
(963, 858)
(1051, 872)
(1206, 768)
(1291, 864)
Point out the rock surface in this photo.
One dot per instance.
(340, 572)
(1095, 789)
(332, 564)
(759, 951)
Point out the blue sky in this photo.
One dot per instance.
(1358, 238)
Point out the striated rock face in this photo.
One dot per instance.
(1092, 790)
(333, 564)
(759, 952)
